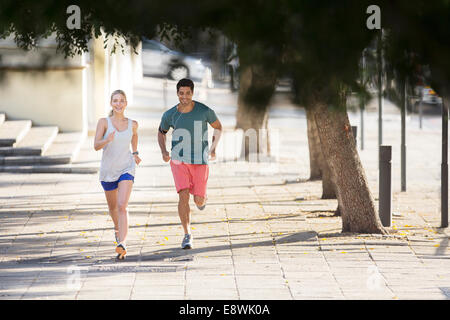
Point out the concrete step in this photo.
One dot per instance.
(35, 142)
(2, 118)
(49, 169)
(63, 150)
(66, 144)
(33, 160)
(12, 132)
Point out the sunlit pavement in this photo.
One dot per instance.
(265, 232)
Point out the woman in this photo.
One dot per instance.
(114, 135)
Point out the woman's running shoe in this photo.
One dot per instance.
(122, 251)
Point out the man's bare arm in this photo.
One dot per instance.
(216, 137)
(162, 144)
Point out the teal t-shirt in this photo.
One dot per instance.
(190, 132)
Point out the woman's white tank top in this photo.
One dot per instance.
(117, 158)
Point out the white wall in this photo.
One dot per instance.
(43, 86)
(72, 93)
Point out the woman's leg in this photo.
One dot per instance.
(111, 198)
(124, 192)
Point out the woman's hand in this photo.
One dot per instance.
(110, 137)
(212, 155)
(137, 159)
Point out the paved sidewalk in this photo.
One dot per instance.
(265, 233)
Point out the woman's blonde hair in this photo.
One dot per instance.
(113, 94)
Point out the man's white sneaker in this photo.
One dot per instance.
(187, 242)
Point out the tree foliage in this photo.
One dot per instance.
(320, 39)
(419, 33)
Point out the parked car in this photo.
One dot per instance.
(430, 96)
(427, 95)
(158, 60)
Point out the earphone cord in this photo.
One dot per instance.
(175, 122)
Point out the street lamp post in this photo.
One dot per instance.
(362, 125)
(444, 166)
(403, 144)
(363, 100)
(380, 88)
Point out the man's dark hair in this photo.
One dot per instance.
(185, 83)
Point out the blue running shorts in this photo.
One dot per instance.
(108, 186)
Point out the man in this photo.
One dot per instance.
(189, 154)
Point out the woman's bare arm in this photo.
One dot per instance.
(100, 143)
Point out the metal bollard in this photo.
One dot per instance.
(354, 131)
(362, 129)
(420, 114)
(385, 185)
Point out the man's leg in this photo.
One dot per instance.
(199, 201)
(184, 211)
(200, 175)
(183, 184)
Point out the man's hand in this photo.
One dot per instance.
(166, 156)
(215, 139)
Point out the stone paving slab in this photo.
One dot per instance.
(261, 236)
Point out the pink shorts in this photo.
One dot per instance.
(190, 176)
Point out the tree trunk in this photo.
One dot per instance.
(328, 186)
(355, 200)
(256, 89)
(318, 166)
(314, 147)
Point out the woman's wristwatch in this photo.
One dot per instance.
(135, 153)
